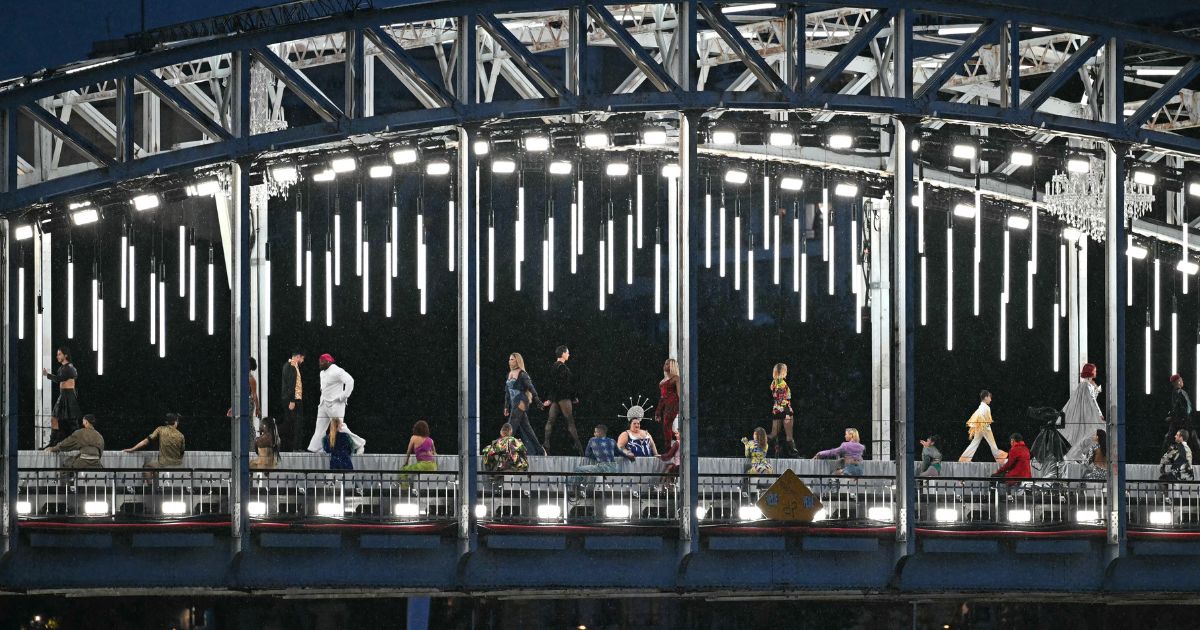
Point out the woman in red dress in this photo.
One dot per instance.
(668, 399)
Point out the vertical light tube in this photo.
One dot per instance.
(707, 231)
(21, 303)
(1007, 268)
(422, 265)
(299, 249)
(721, 235)
(519, 238)
(153, 302)
(210, 290)
(629, 249)
(1174, 341)
(1054, 316)
(737, 251)
(366, 275)
(766, 223)
(1157, 293)
(550, 255)
(37, 347)
(388, 257)
(796, 252)
(395, 268)
(574, 237)
(825, 222)
(750, 279)
(832, 253)
(776, 221)
(1029, 296)
(491, 265)
(95, 306)
(1003, 328)
(1129, 271)
(192, 276)
(1033, 239)
(640, 202)
(337, 245)
(420, 249)
(978, 251)
(358, 231)
(950, 286)
(602, 267)
(308, 263)
(162, 312)
(124, 263)
(580, 216)
(132, 289)
(266, 289)
(451, 244)
(854, 250)
(182, 260)
(1147, 341)
(71, 292)
(100, 331)
(328, 285)
(804, 281)
(610, 272)
(921, 216)
(1062, 277)
(657, 272)
(924, 290)
(545, 276)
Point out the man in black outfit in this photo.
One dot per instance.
(291, 394)
(1180, 415)
(561, 399)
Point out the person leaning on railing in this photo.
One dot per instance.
(87, 441)
(170, 444)
(850, 452)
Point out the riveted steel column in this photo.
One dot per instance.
(1114, 301)
(467, 216)
(8, 396)
(239, 312)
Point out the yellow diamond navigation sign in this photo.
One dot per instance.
(788, 499)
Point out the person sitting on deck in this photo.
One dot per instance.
(850, 452)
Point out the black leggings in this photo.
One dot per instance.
(519, 419)
(567, 410)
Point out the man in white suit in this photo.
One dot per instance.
(336, 387)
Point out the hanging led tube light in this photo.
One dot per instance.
(574, 236)
(452, 245)
(337, 240)
(519, 234)
(549, 268)
(132, 288)
(776, 219)
(420, 245)
(629, 248)
(21, 299)
(830, 250)
(1004, 293)
(1129, 270)
(766, 224)
(603, 266)
(750, 277)
(579, 214)
(657, 270)
(854, 250)
(95, 305)
(721, 235)
(192, 278)
(804, 277)
(422, 268)
(388, 257)
(358, 229)
(1174, 337)
(210, 290)
(153, 301)
(308, 279)
(182, 260)
(640, 202)
(299, 244)
(366, 276)
(796, 251)
(737, 245)
(266, 286)
(949, 283)
(395, 233)
(124, 260)
(491, 265)
(978, 249)
(71, 291)
(1157, 289)
(545, 265)
(328, 280)
(707, 227)
(1062, 276)
(99, 327)
(1147, 342)
(162, 311)
(825, 220)
(610, 272)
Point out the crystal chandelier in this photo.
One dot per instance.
(1079, 199)
(266, 115)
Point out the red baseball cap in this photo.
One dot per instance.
(328, 358)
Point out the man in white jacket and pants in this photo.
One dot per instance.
(336, 387)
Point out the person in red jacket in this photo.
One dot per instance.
(1017, 466)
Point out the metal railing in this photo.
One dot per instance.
(355, 495)
(578, 498)
(1159, 505)
(845, 500)
(954, 502)
(122, 494)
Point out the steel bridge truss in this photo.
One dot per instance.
(176, 106)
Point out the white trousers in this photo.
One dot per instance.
(325, 414)
(983, 434)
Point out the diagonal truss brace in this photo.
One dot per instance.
(298, 83)
(183, 107)
(851, 50)
(633, 50)
(522, 57)
(986, 33)
(68, 135)
(757, 65)
(1165, 93)
(1064, 72)
(408, 70)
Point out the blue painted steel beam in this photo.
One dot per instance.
(298, 83)
(1064, 72)
(633, 50)
(754, 62)
(851, 50)
(181, 106)
(985, 35)
(402, 64)
(68, 135)
(1159, 99)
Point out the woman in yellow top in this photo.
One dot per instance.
(781, 409)
(756, 453)
(979, 428)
